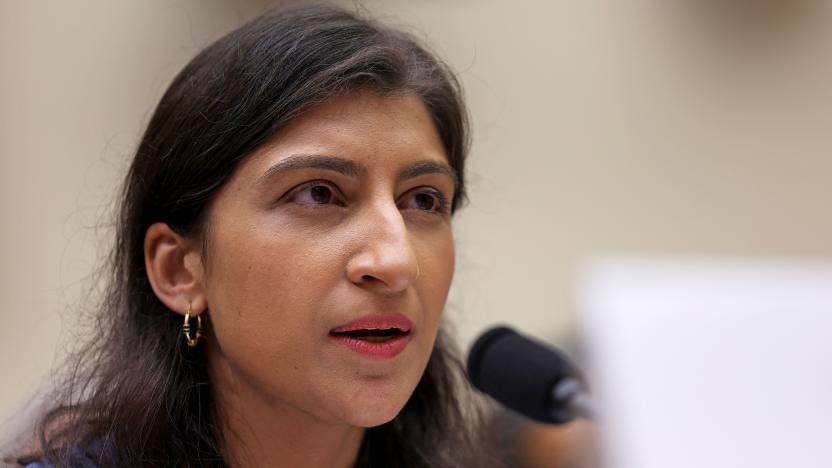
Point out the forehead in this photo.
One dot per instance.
(371, 129)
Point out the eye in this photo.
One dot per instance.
(314, 193)
(428, 200)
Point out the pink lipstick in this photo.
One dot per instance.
(379, 336)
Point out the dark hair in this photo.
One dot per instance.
(135, 394)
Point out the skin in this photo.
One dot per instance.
(286, 263)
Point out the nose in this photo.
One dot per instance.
(385, 260)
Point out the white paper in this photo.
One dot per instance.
(708, 364)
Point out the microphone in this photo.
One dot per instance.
(528, 377)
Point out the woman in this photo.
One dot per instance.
(283, 256)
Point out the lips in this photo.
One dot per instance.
(379, 336)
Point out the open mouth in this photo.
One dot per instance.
(372, 335)
(376, 336)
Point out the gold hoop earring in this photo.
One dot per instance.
(186, 328)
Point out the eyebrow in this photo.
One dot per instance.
(314, 161)
(429, 167)
(353, 170)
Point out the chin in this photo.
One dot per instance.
(372, 420)
(372, 417)
(375, 409)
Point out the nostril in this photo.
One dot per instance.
(390, 273)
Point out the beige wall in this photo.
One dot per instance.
(599, 127)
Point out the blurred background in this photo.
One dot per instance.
(696, 127)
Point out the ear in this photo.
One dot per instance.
(174, 268)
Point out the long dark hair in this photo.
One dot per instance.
(135, 394)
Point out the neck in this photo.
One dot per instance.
(256, 430)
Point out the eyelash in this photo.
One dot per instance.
(336, 194)
(442, 202)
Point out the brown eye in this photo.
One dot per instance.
(425, 201)
(320, 194)
(316, 193)
(430, 201)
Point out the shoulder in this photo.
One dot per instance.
(39, 464)
(78, 459)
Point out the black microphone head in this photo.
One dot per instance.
(520, 373)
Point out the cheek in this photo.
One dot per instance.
(262, 269)
(262, 294)
(247, 275)
(436, 265)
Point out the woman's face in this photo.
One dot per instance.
(340, 225)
